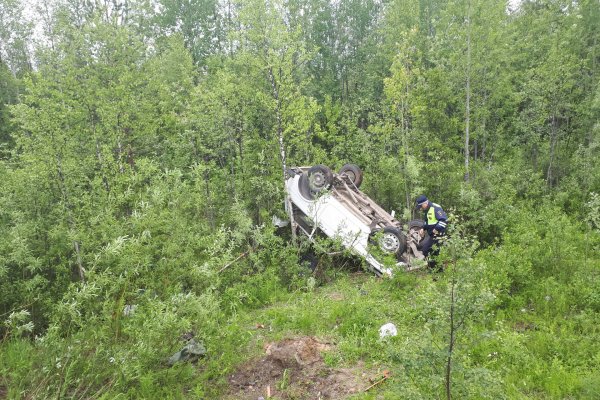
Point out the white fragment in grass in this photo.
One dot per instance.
(388, 329)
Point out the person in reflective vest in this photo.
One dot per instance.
(435, 225)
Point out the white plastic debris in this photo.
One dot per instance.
(278, 222)
(388, 329)
(129, 309)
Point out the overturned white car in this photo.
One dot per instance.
(332, 203)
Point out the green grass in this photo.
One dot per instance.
(510, 353)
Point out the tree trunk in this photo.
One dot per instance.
(406, 149)
(70, 219)
(468, 100)
(80, 268)
(553, 139)
(288, 202)
(120, 156)
(93, 119)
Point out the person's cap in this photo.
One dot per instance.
(420, 200)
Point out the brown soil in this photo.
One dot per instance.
(522, 326)
(336, 296)
(294, 369)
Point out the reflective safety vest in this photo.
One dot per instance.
(436, 219)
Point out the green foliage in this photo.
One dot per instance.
(141, 159)
(198, 22)
(8, 95)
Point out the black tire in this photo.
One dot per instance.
(416, 223)
(320, 178)
(391, 240)
(353, 172)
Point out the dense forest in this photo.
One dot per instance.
(143, 145)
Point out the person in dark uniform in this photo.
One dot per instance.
(435, 224)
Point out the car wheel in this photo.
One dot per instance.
(319, 178)
(416, 223)
(414, 227)
(353, 172)
(390, 240)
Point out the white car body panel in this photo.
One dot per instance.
(337, 221)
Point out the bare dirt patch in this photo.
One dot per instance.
(336, 296)
(294, 369)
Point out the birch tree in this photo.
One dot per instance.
(277, 53)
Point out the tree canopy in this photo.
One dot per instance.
(143, 146)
